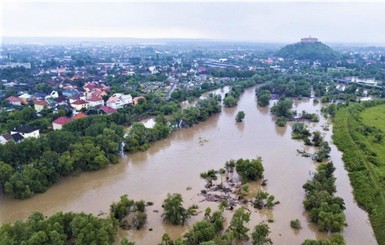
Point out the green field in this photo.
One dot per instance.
(359, 132)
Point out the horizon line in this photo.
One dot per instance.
(79, 38)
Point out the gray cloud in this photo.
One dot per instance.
(247, 21)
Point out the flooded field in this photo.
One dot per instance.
(174, 164)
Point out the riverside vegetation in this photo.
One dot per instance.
(76, 228)
(358, 132)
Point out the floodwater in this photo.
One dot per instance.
(173, 165)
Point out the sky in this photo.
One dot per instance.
(252, 21)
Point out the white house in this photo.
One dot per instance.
(25, 98)
(5, 138)
(118, 100)
(95, 101)
(59, 122)
(54, 95)
(14, 100)
(27, 131)
(8, 137)
(80, 104)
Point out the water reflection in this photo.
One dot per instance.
(240, 126)
(263, 110)
(281, 130)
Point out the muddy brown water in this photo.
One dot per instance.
(174, 164)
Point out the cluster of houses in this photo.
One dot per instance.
(92, 100)
(71, 98)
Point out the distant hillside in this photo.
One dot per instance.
(308, 51)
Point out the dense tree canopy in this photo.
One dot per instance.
(60, 228)
(174, 212)
(249, 170)
(283, 108)
(324, 208)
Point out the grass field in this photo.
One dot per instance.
(356, 133)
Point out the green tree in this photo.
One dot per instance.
(174, 212)
(125, 241)
(202, 231)
(129, 213)
(283, 108)
(240, 116)
(237, 229)
(6, 172)
(281, 122)
(229, 101)
(263, 97)
(260, 235)
(295, 224)
(249, 170)
(317, 138)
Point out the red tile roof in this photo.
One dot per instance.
(41, 102)
(13, 99)
(94, 99)
(107, 110)
(79, 115)
(61, 120)
(79, 102)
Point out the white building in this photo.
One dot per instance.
(27, 131)
(95, 101)
(54, 95)
(59, 122)
(118, 100)
(80, 104)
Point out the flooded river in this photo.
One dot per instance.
(174, 164)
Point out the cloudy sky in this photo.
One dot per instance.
(230, 21)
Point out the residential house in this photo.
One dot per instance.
(39, 95)
(40, 105)
(80, 104)
(95, 101)
(14, 100)
(7, 137)
(59, 122)
(107, 110)
(54, 95)
(118, 100)
(25, 98)
(70, 92)
(27, 131)
(79, 116)
(61, 100)
(17, 137)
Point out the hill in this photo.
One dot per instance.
(308, 51)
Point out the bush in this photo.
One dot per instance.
(295, 224)
(281, 122)
(249, 170)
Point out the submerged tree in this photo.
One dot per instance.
(237, 229)
(129, 213)
(249, 170)
(240, 116)
(260, 235)
(174, 212)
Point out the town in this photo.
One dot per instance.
(73, 81)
